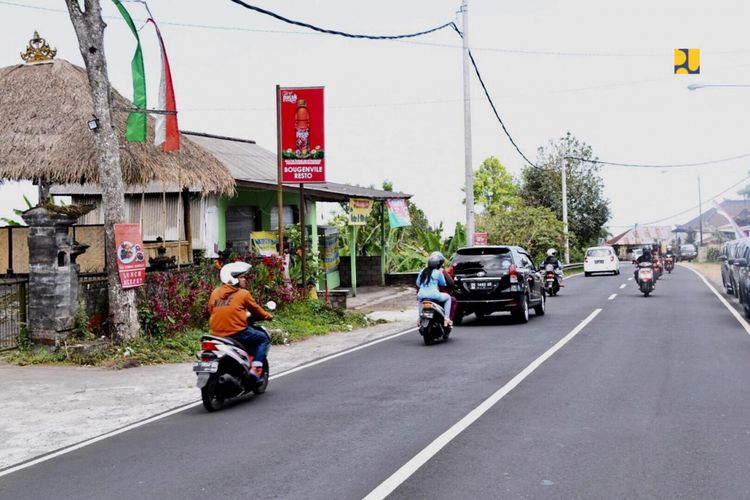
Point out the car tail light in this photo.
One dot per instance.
(611, 258)
(208, 346)
(585, 260)
(452, 272)
(513, 274)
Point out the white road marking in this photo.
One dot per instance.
(611, 297)
(623, 286)
(174, 411)
(630, 279)
(409, 468)
(734, 312)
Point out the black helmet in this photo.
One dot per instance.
(436, 260)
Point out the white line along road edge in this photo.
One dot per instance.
(408, 469)
(734, 312)
(168, 413)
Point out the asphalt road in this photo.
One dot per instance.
(649, 399)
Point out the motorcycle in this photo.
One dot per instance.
(225, 369)
(551, 280)
(431, 322)
(646, 278)
(658, 268)
(669, 263)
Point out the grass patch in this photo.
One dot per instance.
(291, 323)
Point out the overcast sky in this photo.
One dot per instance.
(394, 110)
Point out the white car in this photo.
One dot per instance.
(601, 260)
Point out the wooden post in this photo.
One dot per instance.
(382, 242)
(303, 230)
(10, 250)
(353, 257)
(279, 173)
(188, 222)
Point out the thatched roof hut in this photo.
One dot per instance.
(44, 136)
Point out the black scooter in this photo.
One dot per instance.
(431, 322)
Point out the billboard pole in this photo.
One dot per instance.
(279, 189)
(303, 230)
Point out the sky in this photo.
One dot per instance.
(394, 109)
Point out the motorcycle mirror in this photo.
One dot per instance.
(271, 305)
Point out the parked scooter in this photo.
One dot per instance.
(669, 263)
(646, 281)
(552, 279)
(225, 369)
(431, 321)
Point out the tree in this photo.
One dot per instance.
(494, 188)
(541, 186)
(534, 228)
(89, 28)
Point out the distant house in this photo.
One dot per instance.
(715, 226)
(639, 236)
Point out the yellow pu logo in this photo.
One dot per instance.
(687, 61)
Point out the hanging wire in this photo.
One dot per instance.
(339, 33)
(672, 165)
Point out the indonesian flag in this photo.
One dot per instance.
(167, 132)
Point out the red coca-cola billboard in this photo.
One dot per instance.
(302, 139)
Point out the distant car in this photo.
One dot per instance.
(688, 252)
(727, 261)
(636, 253)
(601, 260)
(497, 278)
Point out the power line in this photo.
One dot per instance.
(673, 165)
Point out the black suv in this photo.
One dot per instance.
(497, 278)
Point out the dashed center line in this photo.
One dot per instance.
(623, 286)
(611, 297)
(630, 279)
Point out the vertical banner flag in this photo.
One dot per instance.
(136, 128)
(360, 211)
(301, 131)
(738, 231)
(167, 133)
(398, 212)
(131, 257)
(687, 61)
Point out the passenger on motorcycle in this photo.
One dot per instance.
(229, 305)
(428, 281)
(552, 259)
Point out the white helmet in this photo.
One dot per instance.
(231, 271)
(551, 252)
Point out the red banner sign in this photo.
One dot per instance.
(131, 256)
(301, 131)
(481, 239)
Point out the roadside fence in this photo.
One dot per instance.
(13, 309)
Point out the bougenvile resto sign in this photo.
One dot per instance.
(131, 256)
(301, 132)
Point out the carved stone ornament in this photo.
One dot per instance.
(38, 50)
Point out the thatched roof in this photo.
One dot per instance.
(44, 136)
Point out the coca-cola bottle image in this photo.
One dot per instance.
(302, 128)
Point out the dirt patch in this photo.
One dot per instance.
(711, 270)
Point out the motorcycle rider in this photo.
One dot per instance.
(645, 257)
(428, 281)
(552, 259)
(229, 305)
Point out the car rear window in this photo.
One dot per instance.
(477, 258)
(598, 252)
(687, 248)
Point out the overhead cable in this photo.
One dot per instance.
(668, 165)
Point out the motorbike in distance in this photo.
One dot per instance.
(431, 322)
(552, 279)
(669, 263)
(645, 278)
(225, 369)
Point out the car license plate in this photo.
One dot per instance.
(600, 261)
(206, 366)
(482, 285)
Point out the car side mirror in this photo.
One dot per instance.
(740, 262)
(723, 258)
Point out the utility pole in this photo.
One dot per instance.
(565, 209)
(700, 212)
(467, 127)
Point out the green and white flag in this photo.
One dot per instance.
(137, 122)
